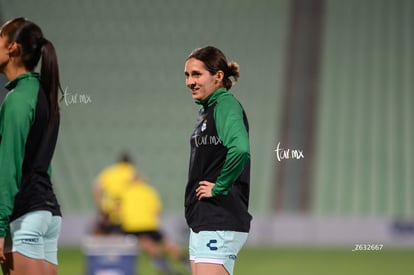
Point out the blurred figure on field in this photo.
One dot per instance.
(139, 211)
(107, 189)
(127, 204)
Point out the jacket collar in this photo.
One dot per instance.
(13, 83)
(211, 98)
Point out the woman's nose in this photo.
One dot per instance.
(190, 81)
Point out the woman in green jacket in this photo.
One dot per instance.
(30, 217)
(217, 191)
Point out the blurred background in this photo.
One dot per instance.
(327, 85)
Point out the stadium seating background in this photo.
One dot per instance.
(127, 58)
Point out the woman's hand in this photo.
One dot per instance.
(204, 189)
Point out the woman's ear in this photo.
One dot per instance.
(219, 76)
(14, 49)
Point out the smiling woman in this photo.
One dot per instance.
(217, 191)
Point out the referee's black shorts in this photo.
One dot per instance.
(154, 235)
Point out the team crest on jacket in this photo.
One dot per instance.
(204, 125)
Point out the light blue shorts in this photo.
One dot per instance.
(35, 235)
(216, 247)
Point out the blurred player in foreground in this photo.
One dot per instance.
(30, 217)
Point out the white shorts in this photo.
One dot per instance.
(35, 235)
(216, 247)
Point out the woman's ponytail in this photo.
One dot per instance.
(232, 71)
(49, 79)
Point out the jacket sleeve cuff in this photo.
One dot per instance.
(218, 191)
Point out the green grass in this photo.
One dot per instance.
(284, 261)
